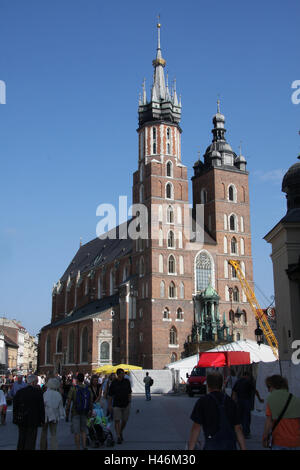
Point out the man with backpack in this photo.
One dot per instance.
(148, 381)
(80, 396)
(218, 415)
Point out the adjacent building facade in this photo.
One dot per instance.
(18, 349)
(159, 286)
(285, 241)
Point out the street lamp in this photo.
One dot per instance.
(259, 334)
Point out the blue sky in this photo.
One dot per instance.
(73, 71)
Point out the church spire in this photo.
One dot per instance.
(159, 76)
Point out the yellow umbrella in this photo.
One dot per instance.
(127, 367)
(107, 369)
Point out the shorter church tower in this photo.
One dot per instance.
(220, 182)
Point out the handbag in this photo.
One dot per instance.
(270, 443)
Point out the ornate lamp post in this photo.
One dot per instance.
(259, 334)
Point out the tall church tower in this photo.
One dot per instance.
(220, 182)
(161, 185)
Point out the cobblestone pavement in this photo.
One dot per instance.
(160, 424)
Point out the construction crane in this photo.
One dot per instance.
(259, 314)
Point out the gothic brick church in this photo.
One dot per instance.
(170, 292)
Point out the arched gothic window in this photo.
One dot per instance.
(179, 315)
(233, 245)
(104, 351)
(59, 342)
(71, 344)
(173, 335)
(171, 264)
(169, 191)
(169, 169)
(48, 350)
(203, 271)
(166, 313)
(236, 295)
(154, 139)
(171, 239)
(84, 345)
(172, 290)
(170, 215)
(232, 222)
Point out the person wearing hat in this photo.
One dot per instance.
(28, 413)
(54, 411)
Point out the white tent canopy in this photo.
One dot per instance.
(258, 353)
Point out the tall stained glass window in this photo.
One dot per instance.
(203, 271)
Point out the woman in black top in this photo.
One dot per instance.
(95, 388)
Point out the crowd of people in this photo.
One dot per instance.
(224, 413)
(41, 401)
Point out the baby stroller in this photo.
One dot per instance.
(99, 433)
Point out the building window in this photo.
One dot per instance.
(172, 290)
(154, 140)
(99, 287)
(168, 142)
(59, 342)
(104, 351)
(233, 273)
(169, 191)
(232, 193)
(170, 215)
(71, 347)
(48, 350)
(162, 289)
(166, 314)
(170, 169)
(203, 271)
(173, 335)
(111, 282)
(231, 316)
(171, 239)
(245, 316)
(232, 222)
(236, 295)
(233, 246)
(84, 345)
(179, 314)
(141, 337)
(171, 265)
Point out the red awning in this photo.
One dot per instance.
(224, 358)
